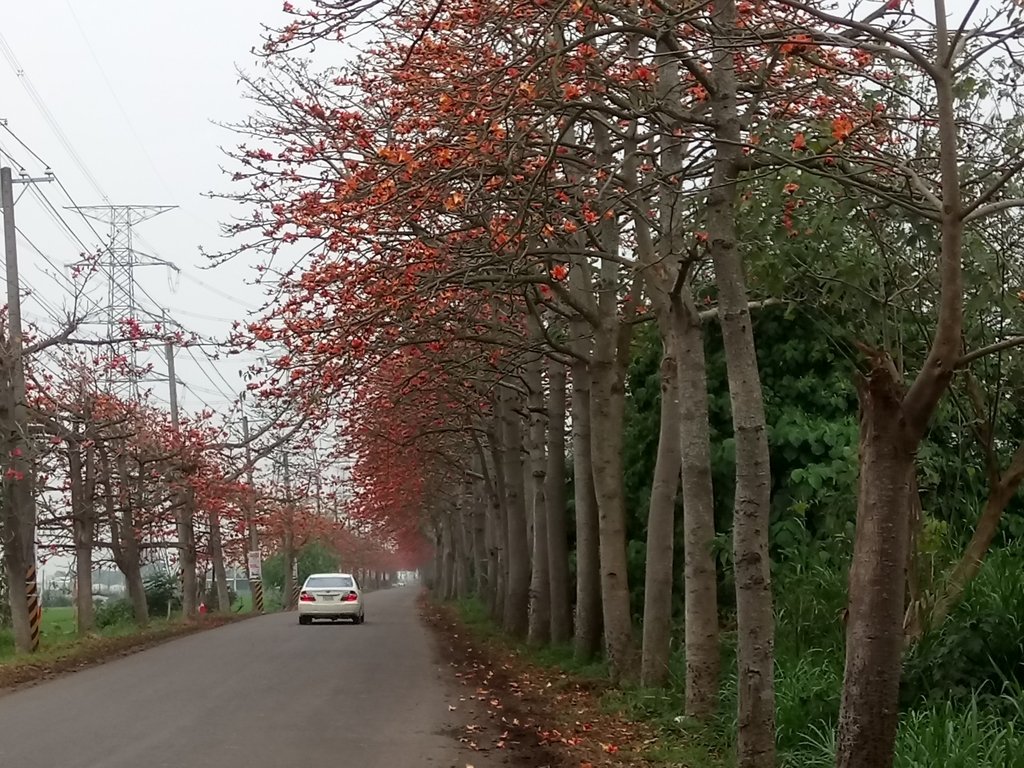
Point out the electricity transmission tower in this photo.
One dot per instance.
(118, 262)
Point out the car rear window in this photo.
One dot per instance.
(330, 582)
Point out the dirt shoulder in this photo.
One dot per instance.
(25, 671)
(536, 716)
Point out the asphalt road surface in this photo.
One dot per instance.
(264, 693)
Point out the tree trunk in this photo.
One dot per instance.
(892, 426)
(539, 632)
(464, 565)
(657, 634)
(123, 537)
(703, 655)
(607, 407)
(478, 516)
(754, 613)
(187, 554)
(874, 632)
(18, 596)
(435, 583)
(517, 595)
(587, 639)
(447, 560)
(220, 574)
(126, 557)
(131, 567)
(82, 531)
(558, 537)
(5, 595)
(499, 519)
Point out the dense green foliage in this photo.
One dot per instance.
(112, 613)
(315, 557)
(163, 594)
(964, 681)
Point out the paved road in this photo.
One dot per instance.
(265, 693)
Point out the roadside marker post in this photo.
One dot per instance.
(35, 608)
(296, 587)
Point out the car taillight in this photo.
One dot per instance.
(305, 597)
(351, 597)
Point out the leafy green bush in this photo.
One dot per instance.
(980, 646)
(162, 593)
(112, 613)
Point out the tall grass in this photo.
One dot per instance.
(963, 704)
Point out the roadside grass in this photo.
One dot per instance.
(58, 634)
(963, 708)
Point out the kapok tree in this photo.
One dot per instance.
(943, 166)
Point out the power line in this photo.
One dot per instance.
(117, 101)
(20, 73)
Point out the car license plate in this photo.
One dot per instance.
(329, 597)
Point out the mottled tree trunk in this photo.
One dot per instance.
(127, 549)
(187, 554)
(558, 536)
(657, 628)
(874, 637)
(464, 548)
(498, 516)
(894, 420)
(220, 573)
(607, 408)
(83, 527)
(752, 568)
(448, 561)
(703, 655)
(481, 561)
(517, 594)
(539, 632)
(587, 637)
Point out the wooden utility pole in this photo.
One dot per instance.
(19, 510)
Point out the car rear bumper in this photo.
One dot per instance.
(330, 610)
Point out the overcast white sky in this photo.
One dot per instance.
(135, 86)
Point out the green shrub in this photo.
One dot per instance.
(112, 613)
(162, 593)
(980, 646)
